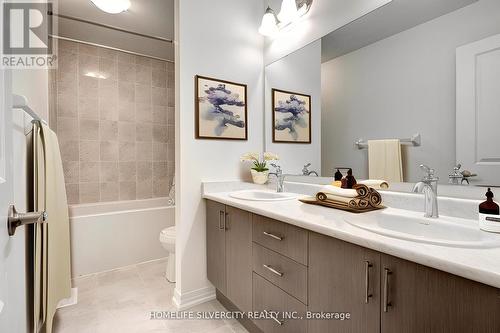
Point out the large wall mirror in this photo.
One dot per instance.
(423, 72)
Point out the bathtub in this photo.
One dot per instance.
(106, 236)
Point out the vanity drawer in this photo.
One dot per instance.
(268, 297)
(283, 238)
(281, 271)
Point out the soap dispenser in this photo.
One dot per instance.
(349, 181)
(489, 214)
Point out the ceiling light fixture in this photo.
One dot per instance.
(112, 6)
(291, 11)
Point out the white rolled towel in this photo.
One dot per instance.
(338, 191)
(377, 184)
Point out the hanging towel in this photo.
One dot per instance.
(52, 239)
(384, 160)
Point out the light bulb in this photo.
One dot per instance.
(269, 25)
(112, 6)
(288, 12)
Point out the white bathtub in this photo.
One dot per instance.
(106, 236)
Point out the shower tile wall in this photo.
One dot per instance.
(115, 123)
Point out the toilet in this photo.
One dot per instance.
(167, 239)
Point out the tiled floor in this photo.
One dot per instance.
(121, 301)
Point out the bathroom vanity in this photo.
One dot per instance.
(259, 263)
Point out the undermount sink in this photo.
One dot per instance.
(413, 226)
(261, 195)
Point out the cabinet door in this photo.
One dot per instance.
(343, 278)
(239, 257)
(417, 298)
(216, 245)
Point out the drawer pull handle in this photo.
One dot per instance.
(387, 303)
(367, 281)
(272, 236)
(274, 271)
(222, 220)
(279, 322)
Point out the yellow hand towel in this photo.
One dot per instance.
(384, 160)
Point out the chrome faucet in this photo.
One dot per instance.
(428, 186)
(306, 172)
(280, 177)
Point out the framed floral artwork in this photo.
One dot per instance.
(291, 117)
(221, 109)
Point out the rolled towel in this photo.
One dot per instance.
(337, 191)
(374, 198)
(375, 183)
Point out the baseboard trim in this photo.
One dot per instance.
(192, 298)
(72, 300)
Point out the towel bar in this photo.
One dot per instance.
(16, 219)
(415, 141)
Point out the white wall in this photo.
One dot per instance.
(220, 41)
(299, 72)
(324, 17)
(399, 86)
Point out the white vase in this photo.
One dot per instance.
(260, 177)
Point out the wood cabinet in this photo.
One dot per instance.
(343, 278)
(229, 253)
(422, 299)
(262, 264)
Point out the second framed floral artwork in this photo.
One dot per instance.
(291, 117)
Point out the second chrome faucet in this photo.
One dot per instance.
(428, 186)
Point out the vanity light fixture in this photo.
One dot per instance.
(290, 12)
(112, 6)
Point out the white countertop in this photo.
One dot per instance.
(478, 264)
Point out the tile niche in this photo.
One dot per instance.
(114, 116)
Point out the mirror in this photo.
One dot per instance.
(400, 72)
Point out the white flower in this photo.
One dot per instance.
(249, 157)
(271, 156)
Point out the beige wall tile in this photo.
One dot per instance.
(160, 171)
(160, 151)
(170, 66)
(171, 134)
(160, 114)
(127, 190)
(108, 108)
(126, 72)
(89, 192)
(158, 64)
(67, 46)
(126, 111)
(144, 171)
(109, 151)
(126, 151)
(143, 113)
(89, 172)
(171, 97)
(159, 79)
(144, 151)
(143, 61)
(159, 96)
(88, 49)
(73, 193)
(67, 105)
(87, 64)
(109, 172)
(88, 108)
(160, 133)
(89, 129)
(71, 172)
(67, 128)
(126, 92)
(70, 150)
(171, 115)
(143, 75)
(87, 87)
(170, 79)
(142, 94)
(128, 171)
(108, 53)
(126, 132)
(144, 132)
(160, 188)
(144, 189)
(108, 68)
(126, 57)
(108, 130)
(89, 151)
(170, 152)
(109, 192)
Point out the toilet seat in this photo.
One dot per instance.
(168, 235)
